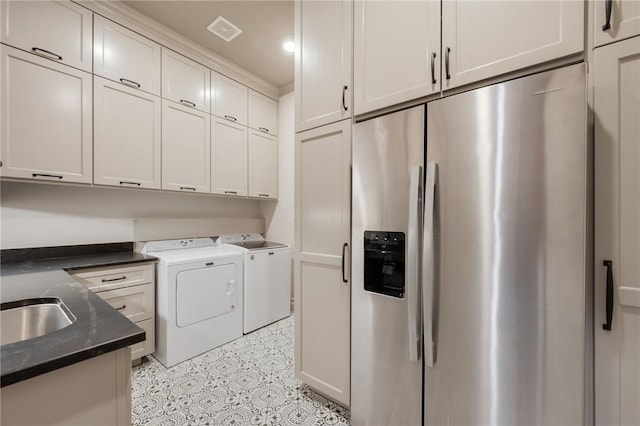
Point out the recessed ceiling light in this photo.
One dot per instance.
(224, 29)
(289, 46)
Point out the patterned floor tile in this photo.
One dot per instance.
(249, 381)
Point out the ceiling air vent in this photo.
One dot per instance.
(224, 29)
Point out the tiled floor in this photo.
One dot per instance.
(249, 381)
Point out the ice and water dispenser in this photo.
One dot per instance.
(384, 258)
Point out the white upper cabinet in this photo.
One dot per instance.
(228, 157)
(263, 113)
(263, 165)
(57, 30)
(122, 55)
(126, 136)
(323, 62)
(185, 81)
(186, 148)
(45, 119)
(396, 52)
(615, 20)
(482, 39)
(229, 99)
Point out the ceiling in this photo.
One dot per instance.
(265, 25)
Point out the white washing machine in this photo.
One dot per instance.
(267, 278)
(198, 297)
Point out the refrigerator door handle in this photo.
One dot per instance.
(413, 275)
(428, 266)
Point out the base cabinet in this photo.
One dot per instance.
(617, 233)
(322, 287)
(130, 289)
(94, 392)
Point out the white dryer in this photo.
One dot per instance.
(267, 278)
(198, 298)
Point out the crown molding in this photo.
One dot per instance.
(125, 15)
(287, 88)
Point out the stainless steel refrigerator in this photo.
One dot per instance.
(469, 236)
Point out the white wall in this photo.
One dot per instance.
(39, 215)
(279, 216)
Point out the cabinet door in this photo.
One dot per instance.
(57, 30)
(186, 148)
(228, 158)
(121, 55)
(624, 20)
(617, 231)
(396, 52)
(229, 99)
(126, 136)
(323, 62)
(263, 113)
(44, 135)
(263, 165)
(322, 223)
(185, 81)
(483, 39)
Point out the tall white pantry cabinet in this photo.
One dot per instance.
(617, 232)
(323, 111)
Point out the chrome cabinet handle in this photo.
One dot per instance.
(187, 103)
(446, 63)
(187, 188)
(608, 5)
(413, 271)
(263, 195)
(428, 266)
(433, 68)
(230, 118)
(263, 129)
(124, 182)
(35, 175)
(130, 83)
(46, 53)
(230, 192)
(110, 280)
(344, 92)
(344, 257)
(609, 297)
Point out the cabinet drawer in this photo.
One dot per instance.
(115, 277)
(136, 303)
(147, 346)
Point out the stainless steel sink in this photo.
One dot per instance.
(27, 319)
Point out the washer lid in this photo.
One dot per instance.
(259, 245)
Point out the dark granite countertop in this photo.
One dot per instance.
(98, 328)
